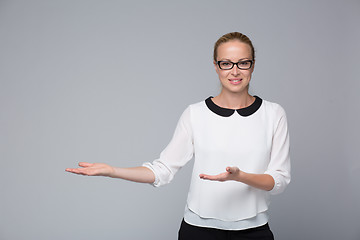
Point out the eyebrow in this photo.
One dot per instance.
(241, 59)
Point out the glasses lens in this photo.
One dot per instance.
(244, 64)
(225, 65)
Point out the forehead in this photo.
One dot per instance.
(233, 50)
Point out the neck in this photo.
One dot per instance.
(234, 100)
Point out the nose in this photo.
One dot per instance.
(235, 71)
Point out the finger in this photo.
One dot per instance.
(85, 164)
(231, 169)
(72, 170)
(209, 177)
(76, 171)
(204, 176)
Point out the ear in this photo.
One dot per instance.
(252, 67)
(216, 67)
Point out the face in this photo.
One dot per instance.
(234, 80)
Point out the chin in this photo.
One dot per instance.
(236, 90)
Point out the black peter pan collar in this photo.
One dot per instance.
(227, 112)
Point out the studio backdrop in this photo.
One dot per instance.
(106, 81)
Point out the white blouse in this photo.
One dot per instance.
(255, 139)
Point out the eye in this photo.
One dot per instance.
(225, 64)
(245, 63)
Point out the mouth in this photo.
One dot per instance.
(235, 81)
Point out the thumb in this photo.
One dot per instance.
(231, 169)
(85, 164)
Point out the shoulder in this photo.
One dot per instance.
(275, 114)
(196, 107)
(274, 109)
(193, 108)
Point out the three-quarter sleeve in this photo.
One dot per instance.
(176, 154)
(279, 165)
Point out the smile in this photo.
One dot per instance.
(235, 81)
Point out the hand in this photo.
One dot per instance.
(92, 169)
(232, 173)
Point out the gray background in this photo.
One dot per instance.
(106, 81)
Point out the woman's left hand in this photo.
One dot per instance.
(262, 181)
(232, 173)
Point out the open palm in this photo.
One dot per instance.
(230, 174)
(92, 169)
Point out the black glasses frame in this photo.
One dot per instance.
(237, 64)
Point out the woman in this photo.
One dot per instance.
(241, 148)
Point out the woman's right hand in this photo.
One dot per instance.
(135, 174)
(92, 169)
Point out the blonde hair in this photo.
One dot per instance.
(234, 36)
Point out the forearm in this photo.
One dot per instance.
(261, 181)
(135, 174)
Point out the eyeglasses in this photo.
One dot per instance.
(227, 65)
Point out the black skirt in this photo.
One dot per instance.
(190, 232)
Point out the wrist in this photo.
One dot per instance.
(111, 172)
(240, 176)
